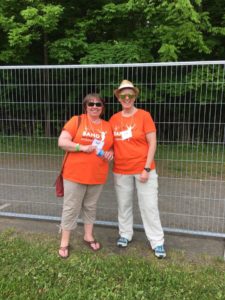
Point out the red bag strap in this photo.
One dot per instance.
(66, 155)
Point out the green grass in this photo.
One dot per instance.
(198, 160)
(30, 269)
(29, 145)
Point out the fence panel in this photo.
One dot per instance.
(187, 103)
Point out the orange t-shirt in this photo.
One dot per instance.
(87, 168)
(130, 144)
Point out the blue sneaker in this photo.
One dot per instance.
(160, 252)
(122, 242)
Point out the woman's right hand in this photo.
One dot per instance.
(87, 148)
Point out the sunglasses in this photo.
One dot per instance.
(130, 96)
(97, 104)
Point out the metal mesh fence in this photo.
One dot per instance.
(187, 103)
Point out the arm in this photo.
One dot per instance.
(65, 142)
(151, 139)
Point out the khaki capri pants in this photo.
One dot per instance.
(79, 199)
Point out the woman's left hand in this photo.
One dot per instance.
(144, 176)
(108, 155)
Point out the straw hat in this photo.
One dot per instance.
(126, 84)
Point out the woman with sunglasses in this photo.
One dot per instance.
(134, 149)
(84, 172)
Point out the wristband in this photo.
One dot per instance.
(77, 147)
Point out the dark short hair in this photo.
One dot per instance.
(89, 97)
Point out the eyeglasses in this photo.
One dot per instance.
(97, 104)
(130, 96)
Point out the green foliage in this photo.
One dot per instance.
(168, 52)
(28, 26)
(108, 32)
(114, 52)
(104, 32)
(200, 85)
(180, 29)
(45, 16)
(68, 48)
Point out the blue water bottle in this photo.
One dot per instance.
(100, 152)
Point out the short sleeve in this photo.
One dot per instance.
(71, 126)
(149, 125)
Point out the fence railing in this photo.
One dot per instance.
(187, 102)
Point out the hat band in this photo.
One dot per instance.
(126, 86)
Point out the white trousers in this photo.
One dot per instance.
(148, 203)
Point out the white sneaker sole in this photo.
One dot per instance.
(160, 256)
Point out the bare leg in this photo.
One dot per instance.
(63, 250)
(88, 235)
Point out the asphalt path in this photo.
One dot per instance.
(186, 204)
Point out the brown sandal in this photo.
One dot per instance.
(64, 249)
(90, 243)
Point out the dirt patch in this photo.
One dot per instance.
(182, 247)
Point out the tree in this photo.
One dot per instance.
(31, 26)
(154, 31)
(104, 31)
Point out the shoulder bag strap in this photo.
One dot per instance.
(66, 155)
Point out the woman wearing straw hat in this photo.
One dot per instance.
(134, 149)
